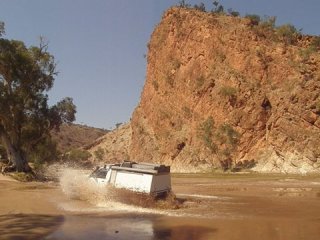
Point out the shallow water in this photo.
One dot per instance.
(246, 206)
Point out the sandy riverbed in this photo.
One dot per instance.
(212, 207)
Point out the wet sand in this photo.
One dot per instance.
(235, 206)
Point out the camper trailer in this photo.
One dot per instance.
(147, 178)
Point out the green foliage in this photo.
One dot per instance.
(23, 177)
(26, 75)
(265, 27)
(184, 4)
(2, 31)
(99, 154)
(201, 7)
(227, 135)
(246, 164)
(187, 112)
(217, 7)
(170, 80)
(254, 19)
(45, 151)
(315, 44)
(228, 91)
(306, 53)
(176, 63)
(3, 153)
(76, 155)
(228, 138)
(200, 81)
(206, 133)
(264, 58)
(233, 13)
(268, 22)
(221, 141)
(287, 33)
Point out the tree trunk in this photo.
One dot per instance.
(15, 156)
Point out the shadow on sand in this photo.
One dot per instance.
(28, 226)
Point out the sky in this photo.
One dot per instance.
(99, 45)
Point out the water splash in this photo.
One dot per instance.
(77, 186)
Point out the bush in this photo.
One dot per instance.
(183, 4)
(222, 141)
(228, 138)
(254, 19)
(201, 7)
(187, 112)
(268, 22)
(306, 53)
(228, 91)
(263, 27)
(77, 155)
(233, 13)
(287, 33)
(227, 135)
(3, 152)
(206, 134)
(44, 152)
(218, 8)
(170, 80)
(315, 44)
(200, 81)
(99, 154)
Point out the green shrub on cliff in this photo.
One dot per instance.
(206, 133)
(228, 91)
(77, 155)
(99, 154)
(221, 141)
(184, 4)
(201, 7)
(287, 33)
(254, 19)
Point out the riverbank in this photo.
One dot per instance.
(252, 206)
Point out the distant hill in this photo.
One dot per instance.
(73, 136)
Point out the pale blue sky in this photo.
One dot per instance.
(99, 44)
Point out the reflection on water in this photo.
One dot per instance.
(127, 227)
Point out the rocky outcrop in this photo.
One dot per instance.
(112, 147)
(218, 93)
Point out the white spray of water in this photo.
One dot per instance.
(77, 186)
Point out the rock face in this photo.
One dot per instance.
(221, 92)
(112, 147)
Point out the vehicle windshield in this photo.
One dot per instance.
(100, 173)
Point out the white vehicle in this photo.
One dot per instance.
(148, 178)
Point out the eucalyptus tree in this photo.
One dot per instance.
(26, 76)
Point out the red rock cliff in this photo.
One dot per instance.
(220, 92)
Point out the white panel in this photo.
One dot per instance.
(134, 181)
